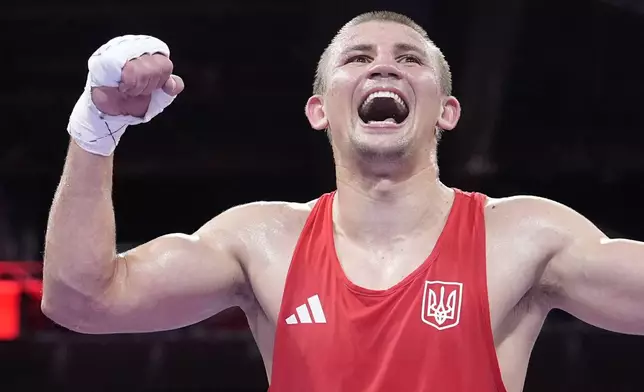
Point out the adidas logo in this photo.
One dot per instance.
(303, 314)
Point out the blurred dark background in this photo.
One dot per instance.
(552, 96)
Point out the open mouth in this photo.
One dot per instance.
(383, 107)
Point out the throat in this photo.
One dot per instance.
(390, 213)
(380, 242)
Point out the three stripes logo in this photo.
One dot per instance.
(303, 316)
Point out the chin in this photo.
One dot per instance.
(381, 147)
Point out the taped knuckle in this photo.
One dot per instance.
(104, 68)
(112, 59)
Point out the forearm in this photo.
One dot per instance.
(80, 240)
(84, 282)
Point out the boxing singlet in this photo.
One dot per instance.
(429, 332)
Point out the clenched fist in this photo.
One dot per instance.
(139, 78)
(129, 82)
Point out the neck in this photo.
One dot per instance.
(373, 209)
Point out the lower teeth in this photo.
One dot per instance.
(388, 121)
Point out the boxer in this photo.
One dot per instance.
(392, 281)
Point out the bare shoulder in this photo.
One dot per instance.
(524, 234)
(257, 223)
(537, 214)
(523, 203)
(535, 224)
(267, 212)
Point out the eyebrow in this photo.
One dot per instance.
(359, 48)
(401, 47)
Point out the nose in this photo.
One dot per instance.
(384, 71)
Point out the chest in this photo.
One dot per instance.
(510, 272)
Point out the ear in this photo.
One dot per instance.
(450, 114)
(315, 113)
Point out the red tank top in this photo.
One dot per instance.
(429, 332)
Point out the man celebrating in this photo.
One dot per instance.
(393, 282)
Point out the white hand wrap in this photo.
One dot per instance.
(99, 133)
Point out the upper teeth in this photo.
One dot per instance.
(385, 94)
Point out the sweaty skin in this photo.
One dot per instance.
(389, 210)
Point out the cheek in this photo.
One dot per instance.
(345, 78)
(339, 84)
(427, 92)
(430, 84)
(339, 94)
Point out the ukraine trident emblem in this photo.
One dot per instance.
(442, 304)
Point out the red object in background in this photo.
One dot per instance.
(21, 281)
(9, 309)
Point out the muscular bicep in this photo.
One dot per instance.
(173, 281)
(176, 280)
(597, 279)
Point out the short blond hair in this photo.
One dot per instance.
(441, 64)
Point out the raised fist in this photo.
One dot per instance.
(139, 78)
(129, 82)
